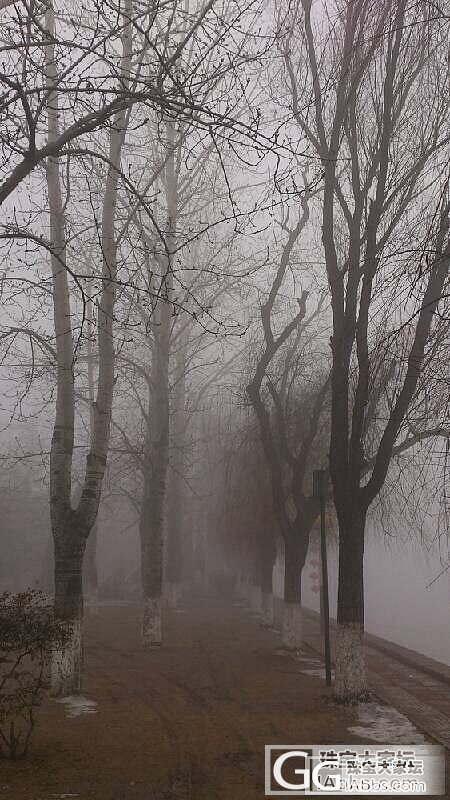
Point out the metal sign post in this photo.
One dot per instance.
(320, 490)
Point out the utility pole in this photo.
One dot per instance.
(320, 480)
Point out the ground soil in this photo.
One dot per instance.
(188, 721)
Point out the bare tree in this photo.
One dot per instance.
(295, 507)
(371, 109)
(156, 448)
(154, 72)
(184, 296)
(243, 521)
(72, 526)
(177, 70)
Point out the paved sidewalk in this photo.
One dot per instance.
(415, 685)
(187, 721)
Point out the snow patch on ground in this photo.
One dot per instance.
(76, 705)
(385, 724)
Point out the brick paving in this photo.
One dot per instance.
(415, 685)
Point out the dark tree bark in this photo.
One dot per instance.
(294, 510)
(151, 526)
(350, 665)
(364, 204)
(176, 531)
(151, 538)
(69, 547)
(156, 458)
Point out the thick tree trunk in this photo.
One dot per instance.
(71, 527)
(47, 571)
(68, 547)
(91, 574)
(267, 604)
(152, 546)
(351, 679)
(294, 560)
(176, 498)
(67, 660)
(153, 504)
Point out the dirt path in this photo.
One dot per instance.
(186, 722)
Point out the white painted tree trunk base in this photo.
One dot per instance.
(65, 669)
(174, 594)
(351, 678)
(151, 622)
(292, 626)
(267, 608)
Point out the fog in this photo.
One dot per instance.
(224, 340)
(406, 601)
(407, 591)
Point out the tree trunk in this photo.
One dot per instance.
(90, 573)
(157, 437)
(267, 605)
(67, 660)
(151, 531)
(351, 679)
(174, 571)
(176, 504)
(151, 527)
(294, 560)
(71, 527)
(47, 570)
